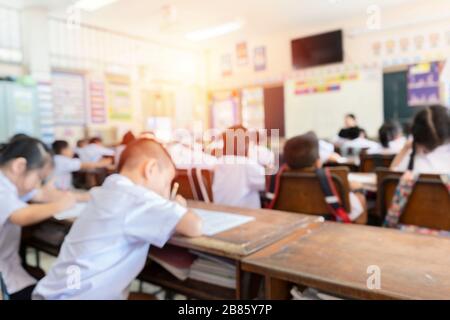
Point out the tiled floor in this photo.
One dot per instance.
(46, 262)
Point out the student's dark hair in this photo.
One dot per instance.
(59, 145)
(350, 115)
(127, 138)
(236, 141)
(430, 129)
(19, 136)
(37, 154)
(301, 151)
(95, 140)
(388, 132)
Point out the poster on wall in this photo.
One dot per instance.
(326, 84)
(423, 84)
(97, 101)
(242, 54)
(253, 108)
(119, 100)
(224, 109)
(68, 98)
(260, 59)
(226, 65)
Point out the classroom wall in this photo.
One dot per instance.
(397, 43)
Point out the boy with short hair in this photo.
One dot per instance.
(302, 152)
(108, 244)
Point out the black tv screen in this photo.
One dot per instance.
(317, 50)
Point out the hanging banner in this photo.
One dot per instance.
(119, 100)
(242, 54)
(260, 59)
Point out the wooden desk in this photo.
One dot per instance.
(268, 227)
(334, 258)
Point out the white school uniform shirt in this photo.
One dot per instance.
(238, 181)
(15, 277)
(261, 154)
(394, 147)
(435, 162)
(326, 149)
(108, 244)
(94, 152)
(187, 158)
(64, 166)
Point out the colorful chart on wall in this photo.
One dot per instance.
(252, 101)
(224, 109)
(97, 102)
(119, 100)
(68, 98)
(423, 84)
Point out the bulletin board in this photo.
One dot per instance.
(119, 98)
(423, 84)
(324, 106)
(69, 98)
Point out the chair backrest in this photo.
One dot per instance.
(187, 188)
(203, 180)
(300, 191)
(370, 162)
(428, 205)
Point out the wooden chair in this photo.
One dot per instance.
(195, 184)
(428, 205)
(300, 191)
(187, 188)
(203, 180)
(370, 162)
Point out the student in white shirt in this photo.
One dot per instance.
(108, 244)
(259, 151)
(429, 152)
(238, 180)
(66, 164)
(302, 152)
(391, 139)
(94, 151)
(22, 164)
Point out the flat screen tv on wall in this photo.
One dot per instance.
(317, 50)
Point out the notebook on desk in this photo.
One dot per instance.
(215, 222)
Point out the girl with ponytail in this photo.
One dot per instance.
(429, 150)
(23, 167)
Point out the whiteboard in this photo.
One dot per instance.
(324, 112)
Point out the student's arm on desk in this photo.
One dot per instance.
(103, 163)
(35, 213)
(191, 224)
(401, 155)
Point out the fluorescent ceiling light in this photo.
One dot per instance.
(92, 5)
(214, 32)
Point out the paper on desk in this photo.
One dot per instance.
(71, 213)
(215, 222)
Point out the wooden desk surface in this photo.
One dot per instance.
(335, 257)
(268, 227)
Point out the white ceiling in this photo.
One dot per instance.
(145, 17)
